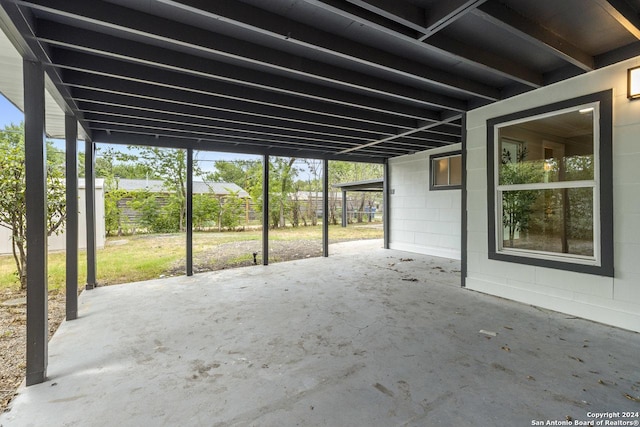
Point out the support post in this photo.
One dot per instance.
(386, 201)
(325, 208)
(189, 212)
(36, 222)
(90, 203)
(344, 208)
(71, 136)
(463, 207)
(265, 209)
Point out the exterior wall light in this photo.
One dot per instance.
(633, 83)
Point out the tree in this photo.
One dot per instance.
(112, 213)
(281, 180)
(313, 186)
(112, 164)
(169, 165)
(232, 208)
(13, 213)
(206, 209)
(147, 206)
(239, 172)
(248, 175)
(517, 205)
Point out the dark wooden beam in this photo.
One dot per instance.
(622, 12)
(505, 18)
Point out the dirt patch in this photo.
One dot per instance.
(240, 254)
(13, 340)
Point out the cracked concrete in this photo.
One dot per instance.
(377, 338)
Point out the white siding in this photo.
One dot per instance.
(614, 301)
(423, 221)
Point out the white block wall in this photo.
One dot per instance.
(423, 221)
(614, 301)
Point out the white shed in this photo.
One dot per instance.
(58, 243)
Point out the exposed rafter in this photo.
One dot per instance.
(425, 22)
(519, 26)
(267, 24)
(444, 45)
(360, 80)
(180, 37)
(622, 12)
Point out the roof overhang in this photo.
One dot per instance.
(373, 185)
(355, 80)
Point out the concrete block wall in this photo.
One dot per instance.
(423, 221)
(611, 300)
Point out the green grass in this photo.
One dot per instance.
(142, 257)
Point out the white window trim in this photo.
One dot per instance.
(596, 259)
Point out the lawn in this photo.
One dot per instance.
(142, 257)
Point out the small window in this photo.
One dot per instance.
(446, 171)
(550, 186)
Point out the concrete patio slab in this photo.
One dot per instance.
(381, 338)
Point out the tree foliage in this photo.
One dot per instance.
(12, 193)
(169, 165)
(206, 210)
(231, 211)
(517, 205)
(285, 208)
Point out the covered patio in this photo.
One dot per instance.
(379, 338)
(373, 337)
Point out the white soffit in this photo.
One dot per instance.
(11, 86)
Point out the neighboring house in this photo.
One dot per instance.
(58, 242)
(219, 190)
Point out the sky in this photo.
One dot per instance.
(10, 114)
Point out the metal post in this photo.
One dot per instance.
(386, 201)
(36, 206)
(344, 208)
(90, 199)
(189, 212)
(71, 135)
(265, 209)
(463, 206)
(325, 208)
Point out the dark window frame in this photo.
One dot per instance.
(605, 184)
(432, 186)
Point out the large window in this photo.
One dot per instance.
(550, 192)
(446, 171)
